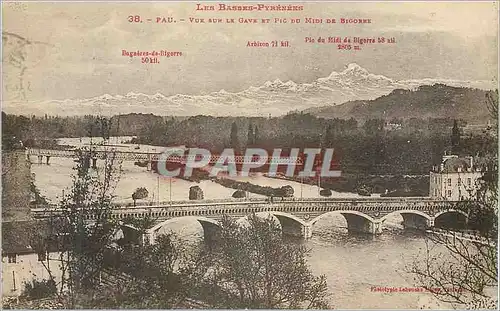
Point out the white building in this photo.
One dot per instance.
(455, 179)
(21, 262)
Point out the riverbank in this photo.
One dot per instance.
(388, 185)
(385, 185)
(241, 186)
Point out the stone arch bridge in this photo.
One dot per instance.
(297, 217)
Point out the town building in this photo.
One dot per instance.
(455, 179)
(24, 259)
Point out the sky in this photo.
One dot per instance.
(74, 50)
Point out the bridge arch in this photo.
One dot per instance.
(129, 233)
(342, 212)
(210, 227)
(409, 211)
(356, 221)
(451, 211)
(287, 215)
(165, 222)
(290, 224)
(413, 219)
(243, 220)
(451, 219)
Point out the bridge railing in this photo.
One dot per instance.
(267, 200)
(468, 235)
(382, 205)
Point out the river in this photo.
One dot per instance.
(352, 264)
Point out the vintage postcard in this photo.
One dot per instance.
(249, 155)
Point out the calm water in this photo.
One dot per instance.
(352, 264)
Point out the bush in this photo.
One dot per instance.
(325, 192)
(239, 194)
(39, 289)
(195, 193)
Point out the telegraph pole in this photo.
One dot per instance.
(319, 161)
(170, 191)
(158, 187)
(301, 185)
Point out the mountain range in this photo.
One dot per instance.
(272, 98)
(435, 101)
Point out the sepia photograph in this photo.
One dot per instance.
(249, 155)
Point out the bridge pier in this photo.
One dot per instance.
(40, 159)
(376, 227)
(307, 231)
(85, 162)
(359, 224)
(294, 228)
(210, 232)
(48, 159)
(149, 166)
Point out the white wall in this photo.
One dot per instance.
(25, 269)
(453, 186)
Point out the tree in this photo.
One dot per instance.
(195, 193)
(238, 194)
(157, 275)
(251, 136)
(254, 267)
(140, 193)
(284, 191)
(329, 136)
(373, 127)
(455, 138)
(325, 192)
(256, 135)
(492, 103)
(81, 244)
(82, 229)
(235, 144)
(38, 289)
(463, 270)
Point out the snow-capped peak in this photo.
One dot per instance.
(158, 96)
(105, 96)
(133, 95)
(355, 68)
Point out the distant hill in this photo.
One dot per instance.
(436, 101)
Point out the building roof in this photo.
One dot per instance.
(21, 237)
(454, 165)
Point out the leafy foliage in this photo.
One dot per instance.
(140, 193)
(38, 289)
(253, 267)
